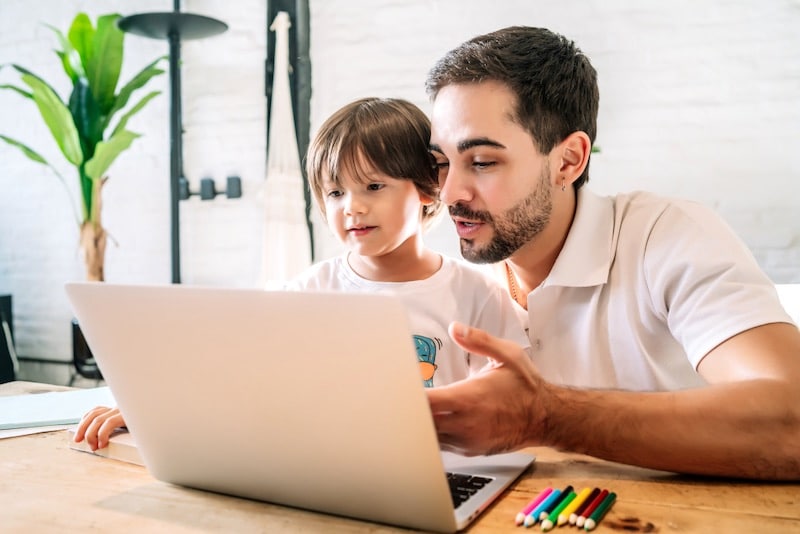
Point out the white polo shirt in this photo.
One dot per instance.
(642, 290)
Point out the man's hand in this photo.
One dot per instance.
(500, 409)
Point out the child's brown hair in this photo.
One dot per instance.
(390, 134)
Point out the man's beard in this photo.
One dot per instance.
(512, 229)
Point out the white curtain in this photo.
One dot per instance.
(286, 248)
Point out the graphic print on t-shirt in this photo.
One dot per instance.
(426, 354)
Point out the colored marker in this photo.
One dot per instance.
(531, 505)
(600, 511)
(563, 517)
(549, 522)
(591, 508)
(533, 517)
(573, 517)
(546, 512)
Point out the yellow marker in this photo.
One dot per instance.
(563, 517)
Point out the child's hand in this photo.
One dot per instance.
(97, 425)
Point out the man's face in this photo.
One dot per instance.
(495, 182)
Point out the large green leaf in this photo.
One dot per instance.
(106, 61)
(28, 151)
(139, 80)
(86, 115)
(23, 70)
(57, 117)
(81, 35)
(135, 109)
(107, 151)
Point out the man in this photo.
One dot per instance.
(657, 341)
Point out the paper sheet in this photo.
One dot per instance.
(16, 432)
(49, 409)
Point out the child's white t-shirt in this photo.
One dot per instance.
(456, 292)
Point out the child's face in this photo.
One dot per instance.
(375, 214)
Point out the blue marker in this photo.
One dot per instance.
(533, 517)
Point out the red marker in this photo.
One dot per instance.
(589, 509)
(573, 517)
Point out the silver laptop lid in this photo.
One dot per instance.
(311, 400)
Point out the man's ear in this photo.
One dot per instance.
(573, 153)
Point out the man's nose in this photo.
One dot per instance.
(455, 187)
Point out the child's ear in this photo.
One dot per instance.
(427, 203)
(426, 200)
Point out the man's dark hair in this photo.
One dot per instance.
(554, 83)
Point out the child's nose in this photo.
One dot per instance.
(354, 204)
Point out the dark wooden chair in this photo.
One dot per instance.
(9, 367)
(83, 361)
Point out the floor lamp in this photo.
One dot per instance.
(173, 26)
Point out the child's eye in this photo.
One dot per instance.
(334, 193)
(375, 187)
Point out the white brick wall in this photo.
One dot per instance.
(698, 99)
(224, 114)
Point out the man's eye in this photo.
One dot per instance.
(441, 169)
(482, 164)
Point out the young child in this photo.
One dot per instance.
(376, 184)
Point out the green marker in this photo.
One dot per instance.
(599, 512)
(551, 519)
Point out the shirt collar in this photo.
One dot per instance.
(585, 260)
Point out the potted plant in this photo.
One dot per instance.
(90, 127)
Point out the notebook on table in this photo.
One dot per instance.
(312, 400)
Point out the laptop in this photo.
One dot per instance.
(311, 400)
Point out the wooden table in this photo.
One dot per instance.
(47, 487)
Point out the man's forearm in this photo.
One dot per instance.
(745, 429)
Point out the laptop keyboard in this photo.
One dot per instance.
(462, 487)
